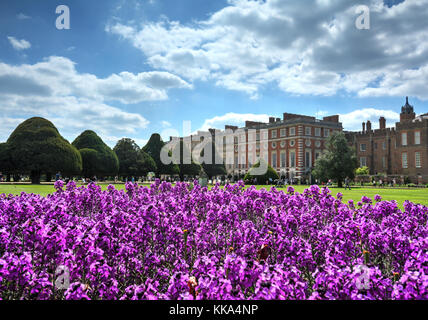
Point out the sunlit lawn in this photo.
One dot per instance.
(400, 195)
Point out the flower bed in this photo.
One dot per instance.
(185, 242)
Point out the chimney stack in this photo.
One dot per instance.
(271, 120)
(364, 127)
(382, 123)
(369, 126)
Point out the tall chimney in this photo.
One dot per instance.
(382, 123)
(369, 126)
(271, 120)
(364, 127)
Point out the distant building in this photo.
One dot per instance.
(397, 152)
(292, 144)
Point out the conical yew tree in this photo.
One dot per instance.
(97, 157)
(36, 146)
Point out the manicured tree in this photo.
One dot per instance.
(213, 169)
(97, 157)
(6, 167)
(36, 146)
(153, 149)
(337, 162)
(145, 164)
(90, 162)
(186, 169)
(127, 152)
(264, 176)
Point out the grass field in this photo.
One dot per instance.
(400, 195)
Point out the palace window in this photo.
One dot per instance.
(417, 137)
(292, 131)
(273, 134)
(404, 160)
(274, 163)
(363, 162)
(318, 132)
(308, 131)
(404, 139)
(418, 160)
(282, 132)
(308, 159)
(292, 159)
(326, 133)
(282, 159)
(362, 147)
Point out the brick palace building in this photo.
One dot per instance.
(397, 152)
(292, 144)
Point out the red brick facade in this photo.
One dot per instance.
(397, 152)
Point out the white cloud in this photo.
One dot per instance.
(250, 44)
(352, 121)
(58, 76)
(76, 101)
(166, 124)
(19, 44)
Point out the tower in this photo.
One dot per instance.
(407, 112)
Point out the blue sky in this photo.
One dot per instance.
(132, 68)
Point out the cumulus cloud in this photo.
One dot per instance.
(250, 44)
(353, 120)
(77, 101)
(19, 44)
(58, 76)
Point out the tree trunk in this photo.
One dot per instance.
(35, 177)
(48, 177)
(339, 183)
(8, 177)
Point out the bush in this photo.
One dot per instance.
(261, 179)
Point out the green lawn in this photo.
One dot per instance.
(400, 195)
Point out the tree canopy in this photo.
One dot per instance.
(133, 161)
(153, 149)
(5, 162)
(97, 157)
(36, 146)
(337, 162)
(261, 178)
(186, 169)
(213, 169)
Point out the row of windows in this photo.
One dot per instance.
(404, 161)
(282, 158)
(404, 141)
(417, 138)
(274, 145)
(282, 133)
(292, 132)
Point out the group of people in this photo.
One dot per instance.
(382, 183)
